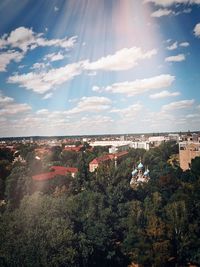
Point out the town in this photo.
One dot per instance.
(115, 147)
(91, 180)
(99, 133)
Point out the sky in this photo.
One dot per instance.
(83, 67)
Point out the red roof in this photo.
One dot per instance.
(101, 159)
(75, 148)
(63, 170)
(57, 170)
(108, 157)
(120, 154)
(44, 176)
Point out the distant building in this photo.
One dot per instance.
(110, 143)
(174, 137)
(95, 163)
(187, 152)
(122, 138)
(157, 140)
(139, 175)
(118, 148)
(141, 144)
(56, 170)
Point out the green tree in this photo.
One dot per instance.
(38, 234)
(18, 184)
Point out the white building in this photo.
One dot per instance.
(174, 137)
(157, 140)
(116, 149)
(119, 146)
(110, 143)
(141, 144)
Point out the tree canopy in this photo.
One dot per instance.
(97, 219)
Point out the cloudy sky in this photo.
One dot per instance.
(99, 66)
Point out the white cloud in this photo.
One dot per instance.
(123, 59)
(47, 96)
(42, 112)
(177, 58)
(197, 30)
(15, 108)
(9, 107)
(21, 38)
(54, 56)
(129, 112)
(25, 39)
(39, 66)
(186, 11)
(192, 116)
(161, 12)
(182, 104)
(92, 73)
(165, 12)
(141, 86)
(4, 100)
(171, 2)
(164, 94)
(91, 104)
(63, 43)
(56, 8)
(21, 66)
(173, 46)
(43, 81)
(97, 89)
(184, 44)
(7, 57)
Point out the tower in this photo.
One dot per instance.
(115, 158)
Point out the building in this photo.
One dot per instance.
(157, 140)
(55, 171)
(95, 163)
(174, 137)
(139, 175)
(110, 143)
(141, 144)
(188, 151)
(118, 148)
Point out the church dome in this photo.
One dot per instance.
(134, 172)
(140, 165)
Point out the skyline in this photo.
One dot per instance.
(99, 67)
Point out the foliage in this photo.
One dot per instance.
(96, 219)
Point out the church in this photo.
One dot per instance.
(140, 175)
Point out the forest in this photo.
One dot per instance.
(97, 219)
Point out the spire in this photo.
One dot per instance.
(115, 161)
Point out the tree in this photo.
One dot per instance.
(18, 184)
(38, 234)
(5, 169)
(177, 218)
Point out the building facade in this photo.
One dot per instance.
(188, 151)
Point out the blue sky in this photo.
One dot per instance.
(99, 66)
